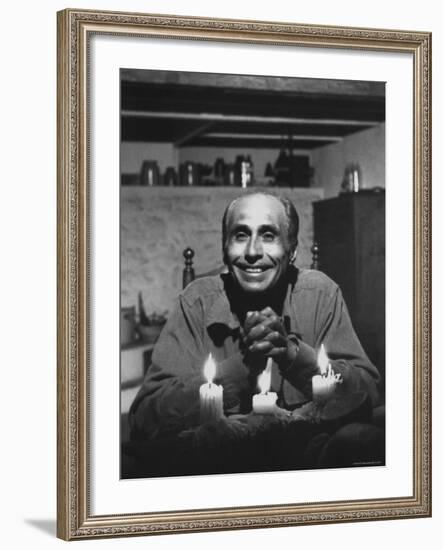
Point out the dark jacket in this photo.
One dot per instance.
(204, 321)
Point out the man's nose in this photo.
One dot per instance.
(254, 250)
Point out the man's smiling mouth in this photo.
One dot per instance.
(254, 269)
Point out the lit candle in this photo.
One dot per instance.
(323, 385)
(211, 395)
(265, 401)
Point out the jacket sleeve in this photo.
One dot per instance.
(344, 350)
(168, 400)
(169, 396)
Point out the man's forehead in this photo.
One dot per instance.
(257, 209)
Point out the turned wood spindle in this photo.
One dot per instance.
(315, 256)
(188, 271)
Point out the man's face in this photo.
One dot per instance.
(257, 249)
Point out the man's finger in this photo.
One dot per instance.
(263, 346)
(275, 323)
(276, 338)
(258, 332)
(271, 324)
(275, 352)
(267, 348)
(252, 319)
(267, 311)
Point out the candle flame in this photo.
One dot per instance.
(323, 360)
(264, 381)
(209, 369)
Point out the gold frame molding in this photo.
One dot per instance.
(74, 519)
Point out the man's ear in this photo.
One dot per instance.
(293, 256)
(225, 256)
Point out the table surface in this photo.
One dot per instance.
(339, 434)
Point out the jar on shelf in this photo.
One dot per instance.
(170, 178)
(352, 181)
(150, 173)
(189, 174)
(229, 175)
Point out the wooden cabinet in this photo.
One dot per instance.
(350, 233)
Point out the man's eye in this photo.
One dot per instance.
(240, 236)
(268, 237)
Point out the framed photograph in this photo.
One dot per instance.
(243, 274)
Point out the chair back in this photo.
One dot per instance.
(315, 256)
(189, 272)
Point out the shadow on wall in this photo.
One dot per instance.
(48, 526)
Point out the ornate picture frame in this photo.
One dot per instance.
(76, 518)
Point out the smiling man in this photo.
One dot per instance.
(260, 240)
(263, 307)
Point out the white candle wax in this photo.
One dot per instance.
(264, 403)
(211, 395)
(323, 388)
(323, 385)
(211, 402)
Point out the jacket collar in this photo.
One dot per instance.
(221, 313)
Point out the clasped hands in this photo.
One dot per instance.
(264, 335)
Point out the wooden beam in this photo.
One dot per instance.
(226, 135)
(256, 82)
(180, 142)
(245, 118)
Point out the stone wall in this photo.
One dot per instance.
(158, 223)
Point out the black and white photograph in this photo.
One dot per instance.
(252, 273)
(243, 274)
(221, 230)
